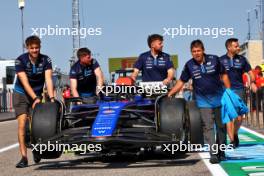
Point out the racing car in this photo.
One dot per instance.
(118, 122)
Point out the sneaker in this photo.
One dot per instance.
(22, 163)
(221, 156)
(232, 144)
(214, 159)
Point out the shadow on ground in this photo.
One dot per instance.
(119, 161)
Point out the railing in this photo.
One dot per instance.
(6, 101)
(255, 117)
(254, 101)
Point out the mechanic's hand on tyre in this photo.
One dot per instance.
(52, 99)
(37, 100)
(166, 81)
(169, 96)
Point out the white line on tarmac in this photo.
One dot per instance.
(216, 169)
(9, 147)
(6, 122)
(253, 132)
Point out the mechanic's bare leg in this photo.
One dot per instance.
(238, 123)
(230, 130)
(22, 119)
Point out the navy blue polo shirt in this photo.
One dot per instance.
(35, 72)
(207, 85)
(153, 69)
(235, 68)
(86, 78)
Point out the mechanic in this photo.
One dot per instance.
(85, 75)
(33, 69)
(206, 72)
(66, 93)
(154, 64)
(236, 65)
(259, 83)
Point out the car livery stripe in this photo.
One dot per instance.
(107, 117)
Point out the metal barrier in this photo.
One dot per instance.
(255, 117)
(6, 101)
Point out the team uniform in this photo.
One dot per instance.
(153, 69)
(86, 78)
(36, 78)
(235, 68)
(208, 90)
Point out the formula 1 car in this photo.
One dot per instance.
(118, 122)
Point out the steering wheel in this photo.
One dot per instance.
(124, 96)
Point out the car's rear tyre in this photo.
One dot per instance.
(195, 124)
(171, 117)
(45, 124)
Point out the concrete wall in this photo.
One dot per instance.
(252, 50)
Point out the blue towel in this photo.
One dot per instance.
(232, 106)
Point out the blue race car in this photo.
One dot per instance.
(117, 122)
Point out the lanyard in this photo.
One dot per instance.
(34, 69)
(203, 68)
(155, 61)
(231, 63)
